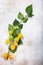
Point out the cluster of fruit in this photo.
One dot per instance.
(6, 56)
(13, 41)
(14, 30)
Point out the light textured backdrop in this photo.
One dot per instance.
(32, 31)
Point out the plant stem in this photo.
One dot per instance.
(8, 54)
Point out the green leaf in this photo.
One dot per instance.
(21, 26)
(16, 22)
(25, 20)
(17, 31)
(29, 10)
(15, 35)
(10, 27)
(20, 42)
(31, 15)
(13, 51)
(20, 16)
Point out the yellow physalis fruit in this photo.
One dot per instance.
(20, 35)
(10, 57)
(12, 47)
(5, 55)
(16, 39)
(10, 32)
(15, 43)
(7, 41)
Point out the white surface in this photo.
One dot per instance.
(32, 31)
